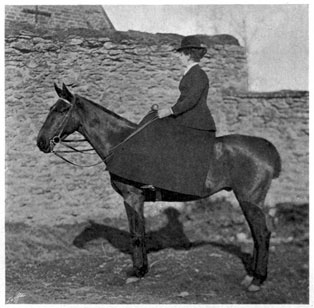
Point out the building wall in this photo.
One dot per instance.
(59, 16)
(127, 75)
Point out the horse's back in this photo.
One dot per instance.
(256, 148)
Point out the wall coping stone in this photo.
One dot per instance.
(19, 29)
(274, 94)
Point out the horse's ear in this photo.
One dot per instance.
(66, 94)
(58, 90)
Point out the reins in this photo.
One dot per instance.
(111, 151)
(153, 118)
(74, 150)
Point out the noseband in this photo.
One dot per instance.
(57, 139)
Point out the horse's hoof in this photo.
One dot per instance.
(247, 281)
(132, 280)
(253, 288)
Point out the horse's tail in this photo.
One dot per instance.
(271, 154)
(276, 163)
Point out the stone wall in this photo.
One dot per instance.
(282, 118)
(126, 73)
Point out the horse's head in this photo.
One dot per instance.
(60, 122)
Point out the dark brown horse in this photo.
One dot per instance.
(244, 164)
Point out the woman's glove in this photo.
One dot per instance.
(162, 113)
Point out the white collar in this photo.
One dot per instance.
(189, 67)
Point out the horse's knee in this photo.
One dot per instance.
(137, 241)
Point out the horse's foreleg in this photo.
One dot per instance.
(261, 235)
(134, 208)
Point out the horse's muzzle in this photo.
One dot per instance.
(44, 145)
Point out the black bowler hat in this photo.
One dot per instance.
(191, 41)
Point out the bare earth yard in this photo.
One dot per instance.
(196, 257)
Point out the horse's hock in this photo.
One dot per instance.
(127, 73)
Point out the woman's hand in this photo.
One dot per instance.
(162, 113)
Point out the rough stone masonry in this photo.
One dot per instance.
(127, 73)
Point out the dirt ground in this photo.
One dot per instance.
(196, 257)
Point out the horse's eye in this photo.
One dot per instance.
(59, 109)
(63, 110)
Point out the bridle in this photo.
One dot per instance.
(58, 140)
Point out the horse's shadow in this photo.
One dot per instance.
(170, 236)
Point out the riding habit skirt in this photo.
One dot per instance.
(166, 155)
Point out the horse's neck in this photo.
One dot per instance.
(102, 128)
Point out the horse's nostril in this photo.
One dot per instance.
(40, 143)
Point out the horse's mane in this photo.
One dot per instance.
(107, 111)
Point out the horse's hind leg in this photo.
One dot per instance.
(134, 204)
(250, 204)
(261, 235)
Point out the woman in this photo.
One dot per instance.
(174, 151)
(191, 108)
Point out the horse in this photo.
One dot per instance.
(245, 165)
